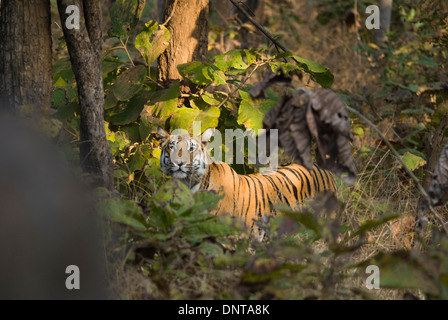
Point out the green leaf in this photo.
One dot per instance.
(201, 74)
(184, 118)
(110, 64)
(58, 98)
(371, 224)
(285, 67)
(306, 219)
(132, 110)
(252, 55)
(139, 158)
(318, 72)
(251, 112)
(66, 111)
(164, 102)
(124, 211)
(231, 59)
(152, 41)
(213, 98)
(413, 161)
(124, 17)
(63, 69)
(129, 83)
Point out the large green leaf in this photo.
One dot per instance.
(412, 161)
(63, 69)
(152, 41)
(124, 17)
(110, 64)
(233, 59)
(133, 109)
(319, 73)
(129, 83)
(251, 112)
(59, 98)
(124, 211)
(201, 74)
(184, 118)
(164, 102)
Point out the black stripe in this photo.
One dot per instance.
(256, 194)
(292, 184)
(262, 194)
(234, 190)
(206, 181)
(275, 187)
(281, 195)
(248, 205)
(321, 176)
(307, 181)
(299, 177)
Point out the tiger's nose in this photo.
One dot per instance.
(179, 163)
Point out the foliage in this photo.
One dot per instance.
(175, 240)
(185, 252)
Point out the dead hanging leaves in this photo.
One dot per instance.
(438, 188)
(322, 115)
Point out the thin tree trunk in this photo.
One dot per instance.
(188, 27)
(85, 48)
(160, 10)
(385, 7)
(25, 53)
(434, 147)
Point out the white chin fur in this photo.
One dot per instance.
(179, 175)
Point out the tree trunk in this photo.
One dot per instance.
(385, 7)
(160, 10)
(85, 49)
(434, 147)
(188, 28)
(25, 53)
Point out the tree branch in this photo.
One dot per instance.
(410, 173)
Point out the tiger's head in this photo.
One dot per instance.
(184, 156)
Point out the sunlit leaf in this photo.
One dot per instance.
(152, 41)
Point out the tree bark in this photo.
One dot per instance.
(25, 53)
(85, 48)
(385, 7)
(188, 28)
(160, 10)
(434, 147)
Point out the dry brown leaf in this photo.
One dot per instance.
(321, 115)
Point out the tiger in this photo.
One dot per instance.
(249, 197)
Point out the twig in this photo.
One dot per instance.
(410, 173)
(239, 87)
(263, 30)
(127, 52)
(171, 14)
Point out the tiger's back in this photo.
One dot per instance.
(253, 196)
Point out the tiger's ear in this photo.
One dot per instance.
(207, 135)
(162, 134)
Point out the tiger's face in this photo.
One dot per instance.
(184, 156)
